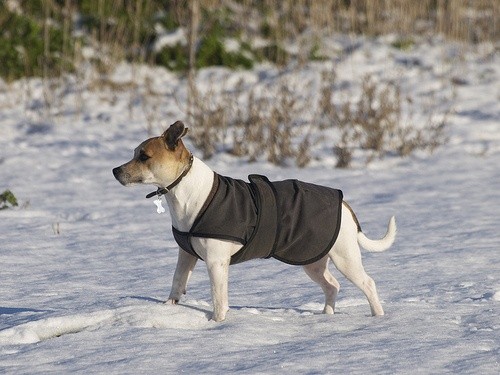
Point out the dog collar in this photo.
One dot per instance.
(165, 190)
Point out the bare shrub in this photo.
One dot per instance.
(270, 126)
(281, 125)
(151, 104)
(249, 129)
(326, 109)
(209, 116)
(256, 123)
(271, 123)
(303, 152)
(374, 123)
(411, 139)
(378, 114)
(349, 135)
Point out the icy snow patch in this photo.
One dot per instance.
(145, 316)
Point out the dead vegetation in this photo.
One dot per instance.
(264, 126)
(277, 124)
(380, 122)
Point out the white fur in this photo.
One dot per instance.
(382, 244)
(185, 201)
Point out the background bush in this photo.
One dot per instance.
(29, 46)
(44, 37)
(7, 200)
(49, 38)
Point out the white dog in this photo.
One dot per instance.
(224, 221)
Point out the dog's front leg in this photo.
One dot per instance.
(218, 271)
(217, 255)
(183, 271)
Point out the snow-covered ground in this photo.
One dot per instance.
(86, 263)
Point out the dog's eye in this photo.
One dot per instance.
(143, 157)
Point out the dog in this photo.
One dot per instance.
(192, 189)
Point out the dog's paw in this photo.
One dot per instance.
(174, 297)
(217, 319)
(328, 310)
(219, 316)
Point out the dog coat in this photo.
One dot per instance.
(292, 221)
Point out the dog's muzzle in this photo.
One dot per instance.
(121, 176)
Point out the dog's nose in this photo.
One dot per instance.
(116, 172)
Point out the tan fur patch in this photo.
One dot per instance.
(154, 163)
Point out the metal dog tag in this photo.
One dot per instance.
(159, 207)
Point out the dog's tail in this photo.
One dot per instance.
(382, 244)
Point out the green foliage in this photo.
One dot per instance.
(34, 7)
(12, 64)
(21, 46)
(213, 52)
(38, 38)
(125, 26)
(7, 200)
(403, 44)
(22, 49)
(173, 57)
(105, 14)
(273, 53)
(168, 20)
(315, 52)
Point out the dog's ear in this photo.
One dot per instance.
(174, 133)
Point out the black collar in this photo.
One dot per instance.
(165, 190)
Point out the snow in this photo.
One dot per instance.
(170, 39)
(86, 263)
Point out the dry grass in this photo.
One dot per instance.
(276, 124)
(466, 20)
(265, 127)
(208, 115)
(272, 126)
(123, 29)
(379, 122)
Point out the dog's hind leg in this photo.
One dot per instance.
(183, 271)
(319, 273)
(354, 272)
(346, 255)
(349, 264)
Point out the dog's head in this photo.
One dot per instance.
(157, 160)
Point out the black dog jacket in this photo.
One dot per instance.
(292, 221)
